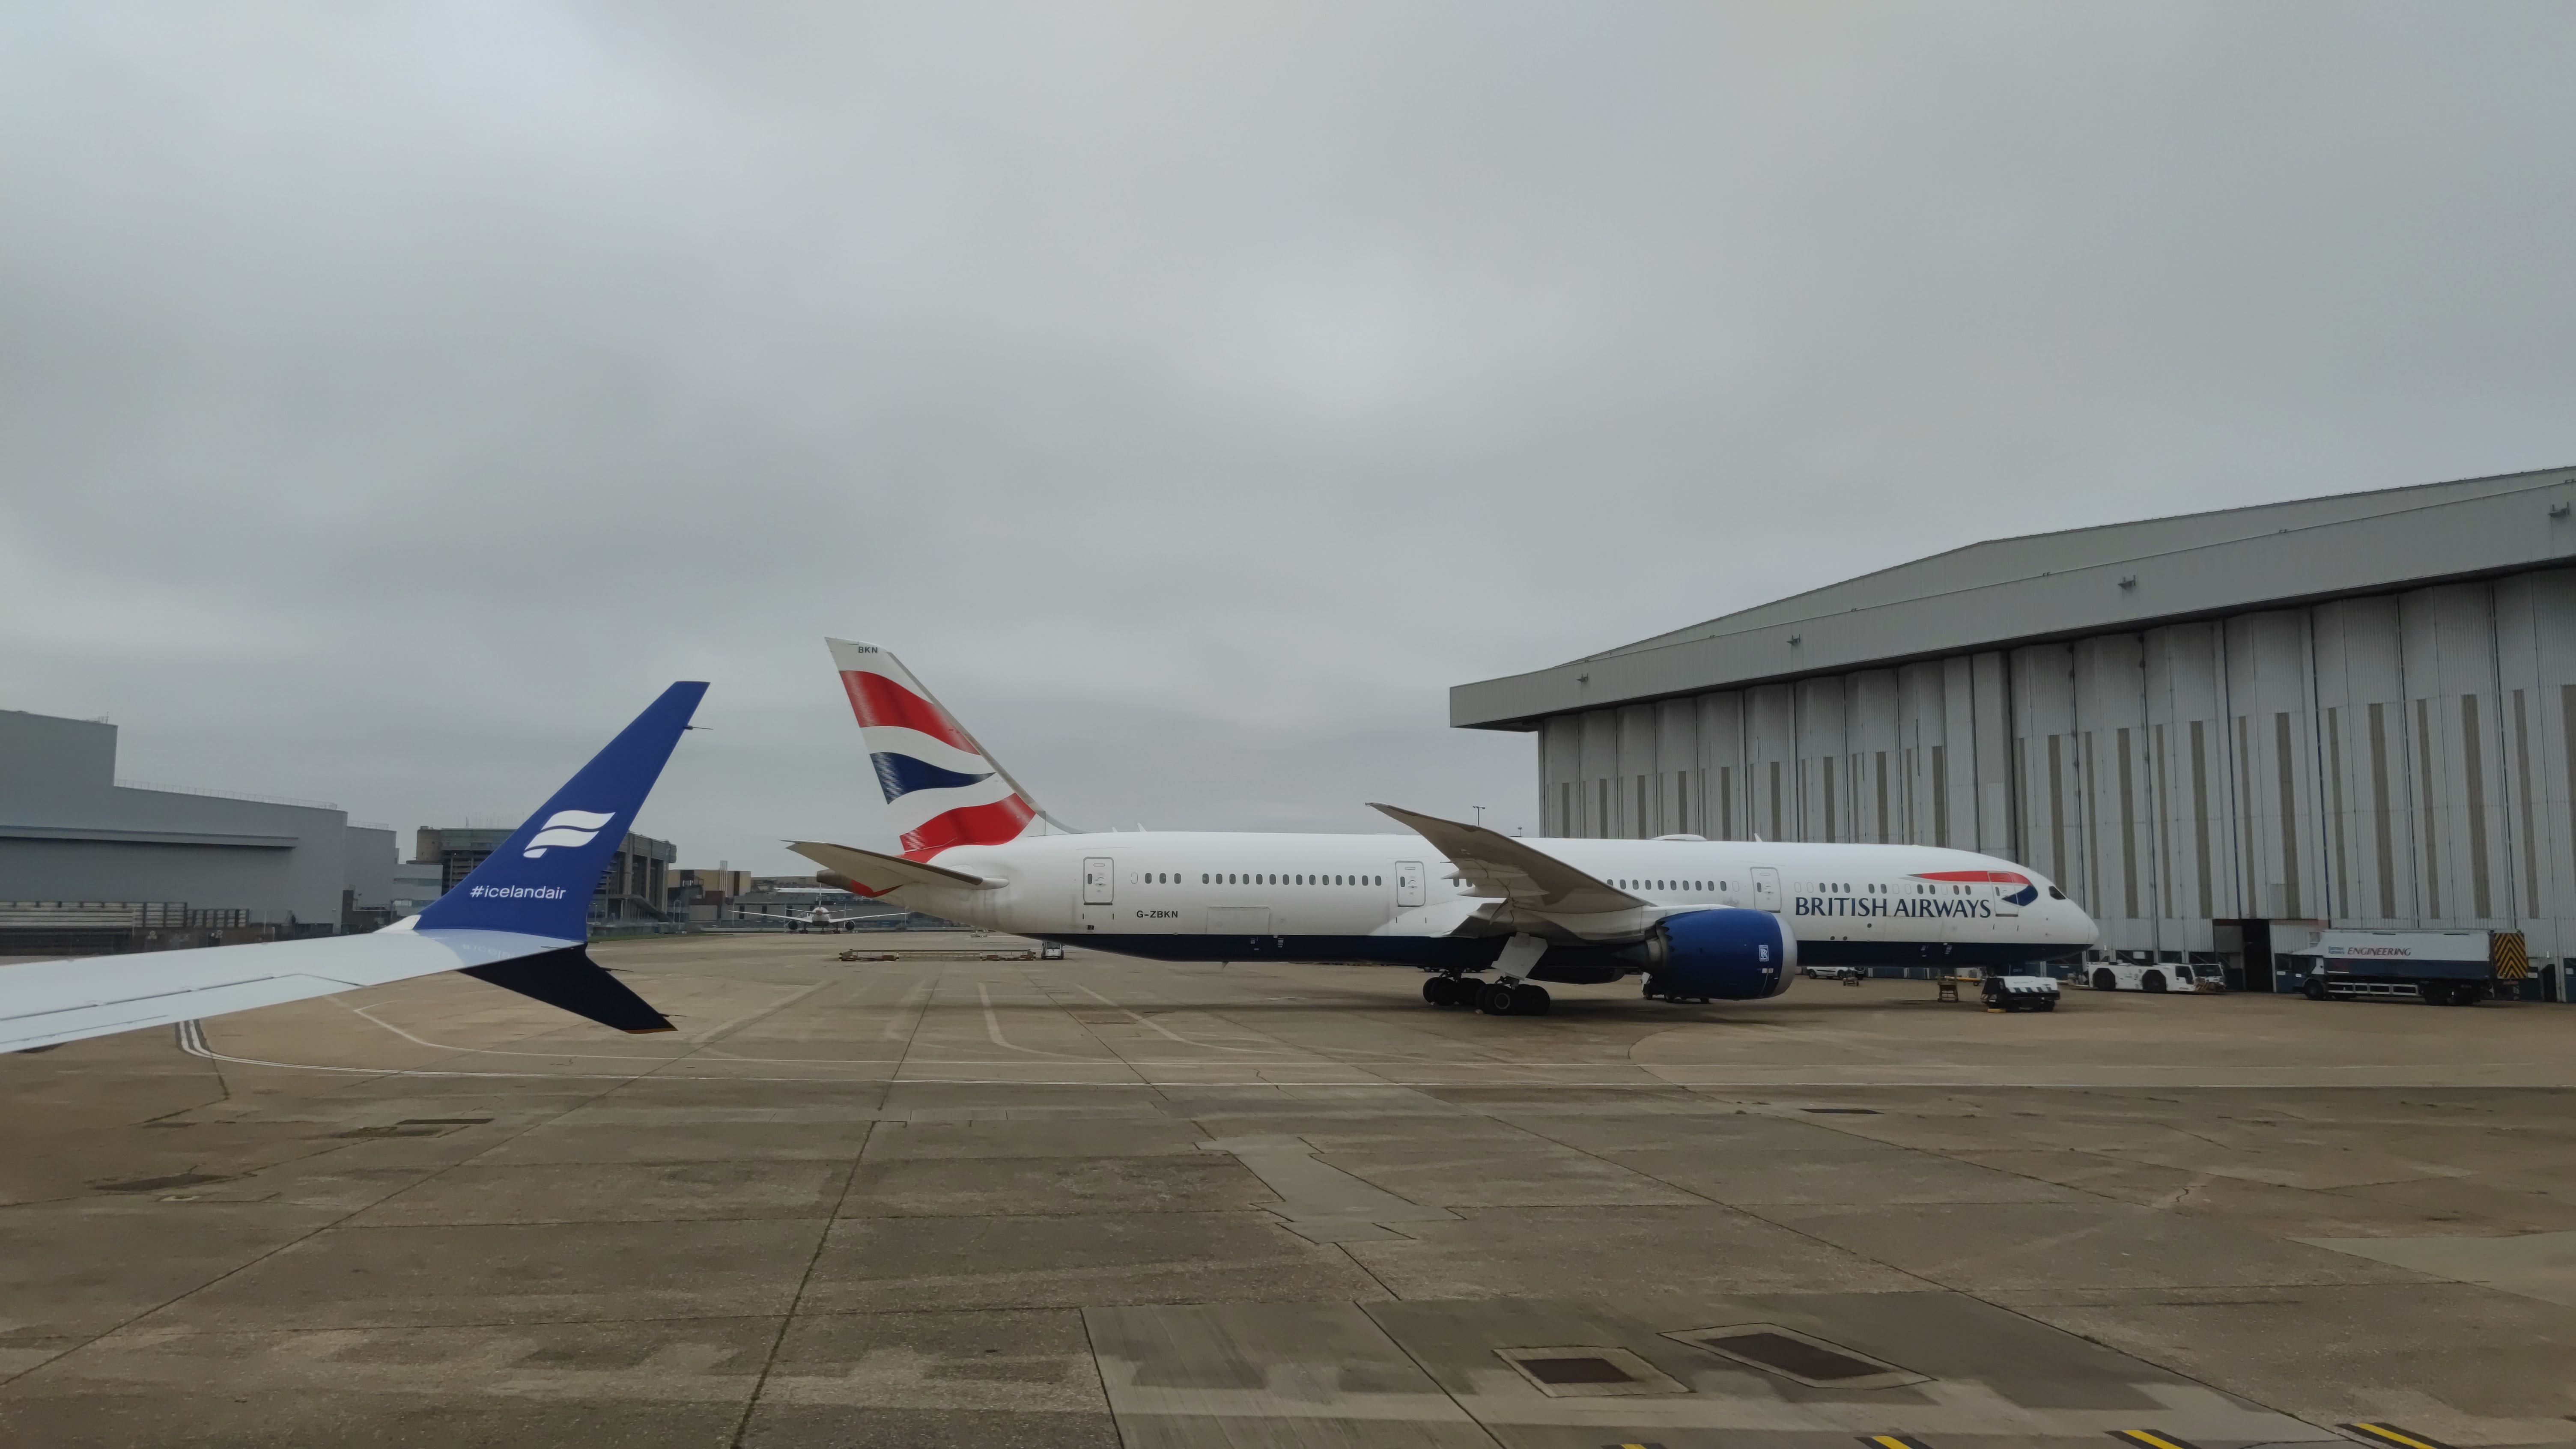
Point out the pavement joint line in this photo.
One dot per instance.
(190, 1035)
(1394, 1080)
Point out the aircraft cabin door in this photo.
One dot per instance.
(1766, 888)
(1408, 882)
(1099, 879)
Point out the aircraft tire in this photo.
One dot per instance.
(1435, 990)
(1531, 1001)
(1498, 1000)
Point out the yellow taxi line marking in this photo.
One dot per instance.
(2152, 1439)
(2390, 1433)
(1893, 1441)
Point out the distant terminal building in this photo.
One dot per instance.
(2221, 732)
(634, 886)
(696, 894)
(89, 864)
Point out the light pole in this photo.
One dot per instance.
(1480, 815)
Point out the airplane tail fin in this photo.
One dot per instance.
(943, 789)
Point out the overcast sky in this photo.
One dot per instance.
(393, 399)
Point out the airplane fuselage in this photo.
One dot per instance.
(1185, 896)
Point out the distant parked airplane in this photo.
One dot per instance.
(820, 918)
(520, 921)
(1699, 919)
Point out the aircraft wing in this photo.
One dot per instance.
(1526, 876)
(871, 874)
(519, 921)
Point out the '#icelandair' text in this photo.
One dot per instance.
(519, 893)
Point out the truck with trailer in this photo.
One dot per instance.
(2439, 968)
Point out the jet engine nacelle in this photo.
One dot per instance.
(1724, 955)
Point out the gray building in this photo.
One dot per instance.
(2356, 710)
(634, 886)
(72, 837)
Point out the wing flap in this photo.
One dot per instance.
(875, 874)
(1521, 873)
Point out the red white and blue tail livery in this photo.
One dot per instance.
(941, 788)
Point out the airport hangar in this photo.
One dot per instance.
(2220, 732)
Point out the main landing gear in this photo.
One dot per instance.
(1506, 997)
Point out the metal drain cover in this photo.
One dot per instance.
(1576, 1371)
(1802, 1357)
(1588, 1372)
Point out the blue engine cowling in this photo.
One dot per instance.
(1724, 954)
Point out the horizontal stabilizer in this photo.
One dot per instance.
(570, 980)
(874, 874)
(1521, 873)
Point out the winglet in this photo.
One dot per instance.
(540, 881)
(570, 980)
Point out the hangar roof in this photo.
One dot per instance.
(2119, 576)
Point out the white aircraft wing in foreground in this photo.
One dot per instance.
(519, 921)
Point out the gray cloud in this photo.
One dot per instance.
(392, 399)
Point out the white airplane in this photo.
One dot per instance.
(519, 921)
(820, 918)
(1699, 919)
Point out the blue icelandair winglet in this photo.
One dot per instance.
(540, 881)
(902, 774)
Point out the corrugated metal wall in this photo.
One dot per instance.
(2397, 761)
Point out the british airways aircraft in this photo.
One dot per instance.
(1486, 915)
(519, 921)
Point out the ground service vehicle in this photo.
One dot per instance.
(2439, 968)
(2020, 993)
(2206, 977)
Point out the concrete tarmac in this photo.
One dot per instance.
(944, 1200)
